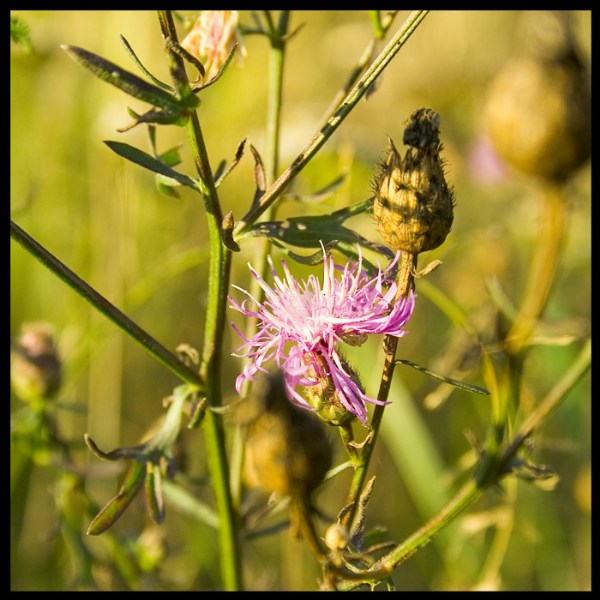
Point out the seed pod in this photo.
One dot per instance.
(287, 448)
(413, 204)
(538, 108)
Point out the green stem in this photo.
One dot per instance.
(380, 29)
(276, 68)
(376, 22)
(469, 492)
(324, 133)
(110, 311)
(210, 369)
(549, 404)
(405, 278)
(490, 571)
(473, 488)
(543, 268)
(272, 132)
(542, 273)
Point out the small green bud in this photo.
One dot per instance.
(323, 397)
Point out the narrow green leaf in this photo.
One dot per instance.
(222, 172)
(163, 180)
(160, 117)
(260, 179)
(189, 505)
(197, 86)
(166, 185)
(149, 162)
(142, 68)
(218, 172)
(312, 259)
(166, 188)
(542, 476)
(321, 194)
(500, 298)
(111, 512)
(171, 157)
(310, 231)
(154, 495)
(304, 232)
(459, 384)
(128, 82)
(180, 51)
(117, 453)
(375, 17)
(358, 525)
(152, 138)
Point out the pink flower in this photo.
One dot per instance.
(212, 37)
(301, 325)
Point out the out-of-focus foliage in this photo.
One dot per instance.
(146, 252)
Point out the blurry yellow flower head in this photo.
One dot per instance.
(212, 37)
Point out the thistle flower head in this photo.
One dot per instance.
(212, 37)
(302, 323)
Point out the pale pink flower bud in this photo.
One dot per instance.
(212, 37)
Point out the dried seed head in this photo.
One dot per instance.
(538, 110)
(413, 204)
(288, 450)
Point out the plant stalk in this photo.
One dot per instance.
(405, 279)
(109, 310)
(335, 120)
(210, 367)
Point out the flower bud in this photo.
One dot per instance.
(212, 38)
(35, 363)
(324, 398)
(413, 204)
(337, 537)
(538, 109)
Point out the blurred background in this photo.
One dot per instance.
(147, 253)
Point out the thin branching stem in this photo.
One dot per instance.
(278, 40)
(405, 279)
(104, 306)
(543, 268)
(476, 485)
(335, 120)
(211, 363)
(381, 28)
